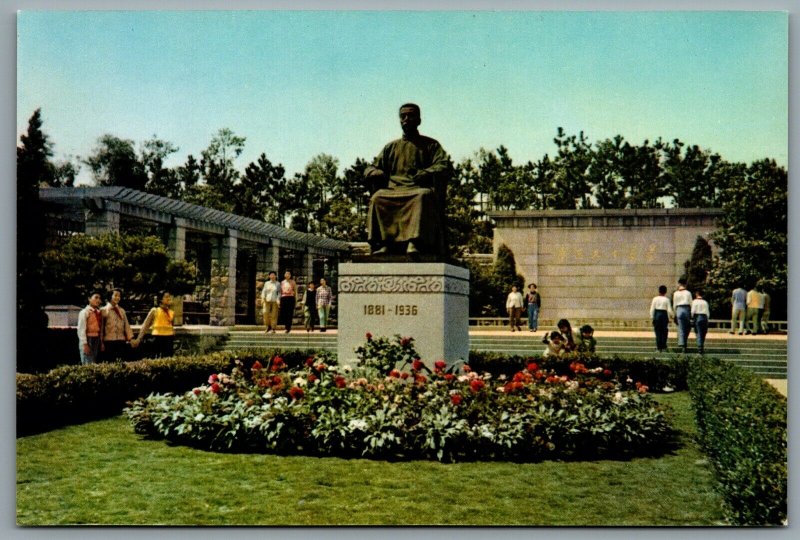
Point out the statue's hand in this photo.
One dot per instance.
(423, 179)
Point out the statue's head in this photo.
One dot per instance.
(410, 118)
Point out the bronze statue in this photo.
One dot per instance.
(409, 182)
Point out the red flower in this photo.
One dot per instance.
(320, 367)
(263, 382)
(394, 373)
(513, 387)
(421, 379)
(196, 391)
(312, 378)
(440, 364)
(214, 387)
(455, 399)
(309, 361)
(278, 363)
(607, 372)
(449, 376)
(467, 369)
(533, 366)
(369, 336)
(417, 364)
(277, 382)
(340, 381)
(404, 375)
(476, 384)
(295, 392)
(257, 365)
(405, 341)
(213, 378)
(539, 375)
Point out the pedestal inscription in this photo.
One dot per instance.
(426, 301)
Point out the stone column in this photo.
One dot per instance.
(308, 265)
(102, 217)
(176, 249)
(268, 260)
(223, 280)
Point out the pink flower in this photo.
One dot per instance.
(417, 364)
(214, 388)
(467, 369)
(214, 378)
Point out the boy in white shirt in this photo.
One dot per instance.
(514, 308)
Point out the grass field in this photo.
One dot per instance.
(102, 473)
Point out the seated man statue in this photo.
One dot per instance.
(409, 179)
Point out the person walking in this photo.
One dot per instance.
(700, 316)
(755, 308)
(117, 332)
(324, 301)
(682, 304)
(738, 309)
(90, 330)
(514, 308)
(288, 300)
(309, 303)
(661, 313)
(534, 300)
(270, 297)
(160, 318)
(766, 314)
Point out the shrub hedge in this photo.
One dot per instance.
(75, 394)
(654, 372)
(742, 424)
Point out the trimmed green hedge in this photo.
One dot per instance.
(742, 423)
(75, 394)
(654, 372)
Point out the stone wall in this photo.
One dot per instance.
(601, 264)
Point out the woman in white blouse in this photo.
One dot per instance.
(700, 315)
(661, 313)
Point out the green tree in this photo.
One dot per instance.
(160, 180)
(114, 163)
(694, 177)
(321, 180)
(489, 288)
(139, 265)
(256, 193)
(697, 268)
(33, 169)
(752, 232)
(218, 173)
(468, 227)
(570, 188)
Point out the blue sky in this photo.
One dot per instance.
(297, 84)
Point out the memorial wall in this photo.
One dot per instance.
(601, 264)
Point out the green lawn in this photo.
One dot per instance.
(102, 473)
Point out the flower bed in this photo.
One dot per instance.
(382, 410)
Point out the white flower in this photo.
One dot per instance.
(502, 377)
(487, 376)
(199, 417)
(300, 381)
(348, 369)
(317, 381)
(617, 397)
(462, 378)
(357, 423)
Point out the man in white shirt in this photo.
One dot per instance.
(682, 303)
(270, 296)
(661, 313)
(700, 314)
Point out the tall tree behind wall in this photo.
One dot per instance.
(33, 169)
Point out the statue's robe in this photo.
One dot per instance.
(408, 206)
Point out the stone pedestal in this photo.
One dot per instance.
(426, 301)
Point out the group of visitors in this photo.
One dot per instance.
(750, 309)
(688, 313)
(515, 303)
(562, 341)
(279, 300)
(105, 334)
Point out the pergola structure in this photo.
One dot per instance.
(232, 253)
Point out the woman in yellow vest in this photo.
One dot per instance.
(160, 319)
